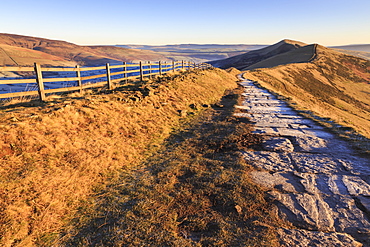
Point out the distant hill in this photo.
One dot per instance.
(18, 50)
(250, 58)
(363, 48)
(361, 54)
(234, 47)
(197, 52)
(362, 51)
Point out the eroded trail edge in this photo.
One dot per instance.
(315, 179)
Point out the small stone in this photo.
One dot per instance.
(238, 209)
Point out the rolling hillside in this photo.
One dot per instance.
(245, 60)
(17, 50)
(19, 56)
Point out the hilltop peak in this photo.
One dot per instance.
(243, 61)
(292, 42)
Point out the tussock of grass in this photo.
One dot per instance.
(194, 192)
(54, 156)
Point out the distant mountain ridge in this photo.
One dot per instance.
(283, 52)
(198, 52)
(360, 47)
(243, 61)
(18, 50)
(195, 46)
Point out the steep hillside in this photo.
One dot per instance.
(300, 55)
(243, 61)
(65, 52)
(333, 85)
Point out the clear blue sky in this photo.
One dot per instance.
(327, 22)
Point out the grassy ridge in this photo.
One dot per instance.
(333, 85)
(55, 156)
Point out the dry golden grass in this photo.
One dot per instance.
(18, 56)
(334, 86)
(195, 191)
(56, 155)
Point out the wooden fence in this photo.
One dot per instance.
(110, 74)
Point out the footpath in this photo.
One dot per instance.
(314, 178)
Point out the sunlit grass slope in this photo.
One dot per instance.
(195, 191)
(333, 85)
(56, 155)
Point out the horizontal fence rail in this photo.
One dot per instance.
(45, 80)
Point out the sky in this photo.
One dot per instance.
(159, 22)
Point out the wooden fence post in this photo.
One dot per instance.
(78, 74)
(182, 64)
(40, 82)
(173, 66)
(141, 71)
(125, 70)
(160, 68)
(150, 69)
(109, 81)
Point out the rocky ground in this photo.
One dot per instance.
(315, 179)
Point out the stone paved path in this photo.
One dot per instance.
(314, 178)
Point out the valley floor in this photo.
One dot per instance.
(315, 179)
